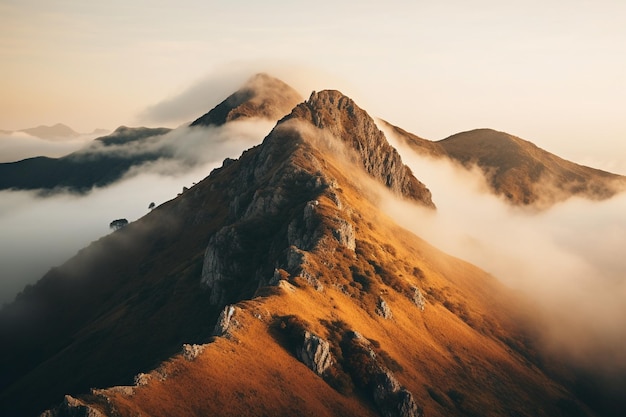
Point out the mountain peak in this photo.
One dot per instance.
(261, 96)
(58, 131)
(337, 114)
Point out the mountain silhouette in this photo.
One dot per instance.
(82, 170)
(58, 131)
(277, 286)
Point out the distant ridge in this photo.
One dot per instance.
(517, 169)
(58, 131)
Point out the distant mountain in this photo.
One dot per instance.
(262, 96)
(518, 170)
(290, 292)
(84, 169)
(58, 131)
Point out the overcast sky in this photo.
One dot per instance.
(549, 71)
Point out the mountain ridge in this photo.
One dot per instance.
(336, 310)
(517, 169)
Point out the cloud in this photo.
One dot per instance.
(206, 93)
(41, 232)
(17, 145)
(569, 259)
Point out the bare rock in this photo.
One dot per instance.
(391, 398)
(344, 233)
(338, 115)
(224, 321)
(315, 353)
(142, 379)
(191, 352)
(383, 310)
(72, 407)
(217, 266)
(418, 298)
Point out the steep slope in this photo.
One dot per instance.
(262, 96)
(320, 304)
(518, 170)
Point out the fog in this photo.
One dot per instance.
(569, 259)
(41, 232)
(215, 86)
(15, 146)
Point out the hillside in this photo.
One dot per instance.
(293, 293)
(262, 96)
(518, 170)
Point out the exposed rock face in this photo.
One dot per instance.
(72, 407)
(262, 96)
(338, 115)
(191, 352)
(383, 310)
(344, 233)
(315, 353)
(391, 398)
(218, 267)
(224, 321)
(418, 298)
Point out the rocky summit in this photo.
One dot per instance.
(277, 286)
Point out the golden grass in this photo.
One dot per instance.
(452, 357)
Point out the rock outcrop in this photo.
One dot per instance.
(338, 115)
(224, 321)
(315, 353)
(72, 407)
(391, 398)
(383, 309)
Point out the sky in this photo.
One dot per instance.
(548, 71)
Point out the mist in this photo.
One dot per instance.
(16, 146)
(568, 259)
(215, 86)
(41, 232)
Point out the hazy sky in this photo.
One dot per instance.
(549, 71)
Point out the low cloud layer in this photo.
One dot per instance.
(569, 259)
(41, 232)
(17, 145)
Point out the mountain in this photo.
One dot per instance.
(518, 170)
(106, 160)
(290, 292)
(58, 131)
(262, 96)
(98, 165)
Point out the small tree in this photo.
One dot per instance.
(118, 224)
(151, 206)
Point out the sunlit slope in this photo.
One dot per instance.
(465, 353)
(337, 310)
(516, 169)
